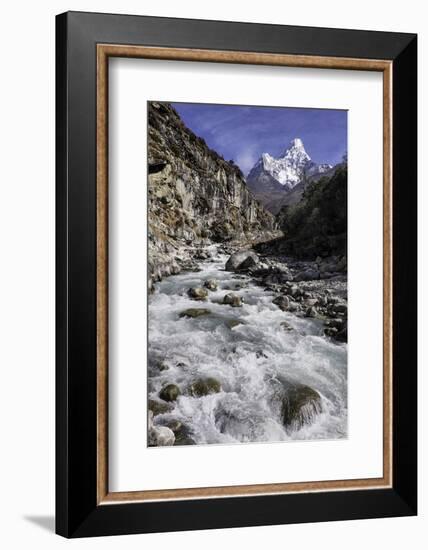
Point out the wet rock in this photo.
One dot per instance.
(194, 312)
(232, 323)
(170, 392)
(181, 432)
(204, 386)
(338, 324)
(202, 254)
(232, 300)
(295, 291)
(341, 264)
(271, 279)
(340, 308)
(300, 404)
(241, 284)
(322, 301)
(342, 335)
(157, 407)
(327, 267)
(241, 260)
(250, 262)
(159, 436)
(283, 274)
(331, 332)
(286, 326)
(283, 302)
(293, 307)
(337, 328)
(311, 312)
(197, 293)
(307, 275)
(211, 284)
(338, 277)
(157, 366)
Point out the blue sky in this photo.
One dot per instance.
(243, 133)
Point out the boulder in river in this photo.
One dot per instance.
(232, 323)
(194, 312)
(340, 308)
(232, 300)
(282, 302)
(286, 326)
(182, 433)
(300, 404)
(335, 323)
(159, 436)
(242, 260)
(157, 366)
(337, 329)
(240, 284)
(307, 275)
(158, 407)
(341, 264)
(331, 332)
(204, 386)
(311, 312)
(295, 291)
(202, 254)
(342, 335)
(197, 293)
(170, 392)
(211, 284)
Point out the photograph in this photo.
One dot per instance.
(194, 195)
(247, 274)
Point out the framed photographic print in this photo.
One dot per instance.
(236, 274)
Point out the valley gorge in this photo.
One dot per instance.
(195, 197)
(247, 303)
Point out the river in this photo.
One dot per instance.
(246, 359)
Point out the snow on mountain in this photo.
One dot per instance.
(287, 171)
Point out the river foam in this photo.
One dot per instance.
(248, 360)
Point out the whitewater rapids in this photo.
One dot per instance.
(245, 360)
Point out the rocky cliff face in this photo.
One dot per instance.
(195, 197)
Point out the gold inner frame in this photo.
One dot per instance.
(104, 52)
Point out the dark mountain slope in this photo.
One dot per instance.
(317, 225)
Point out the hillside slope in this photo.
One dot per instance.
(195, 197)
(317, 224)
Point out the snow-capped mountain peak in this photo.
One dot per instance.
(272, 175)
(296, 146)
(288, 170)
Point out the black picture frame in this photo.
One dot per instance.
(77, 511)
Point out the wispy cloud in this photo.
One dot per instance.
(243, 133)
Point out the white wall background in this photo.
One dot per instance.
(27, 272)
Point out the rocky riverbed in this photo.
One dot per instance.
(247, 347)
